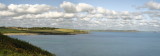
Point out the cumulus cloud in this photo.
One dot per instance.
(27, 8)
(69, 15)
(66, 10)
(153, 11)
(54, 15)
(99, 16)
(68, 7)
(2, 6)
(47, 15)
(73, 8)
(27, 16)
(6, 13)
(79, 16)
(153, 5)
(83, 7)
(101, 10)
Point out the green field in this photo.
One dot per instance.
(14, 47)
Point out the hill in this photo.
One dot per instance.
(14, 47)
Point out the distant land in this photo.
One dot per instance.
(52, 31)
(114, 31)
(119, 31)
(39, 31)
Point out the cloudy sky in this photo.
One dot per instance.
(141, 15)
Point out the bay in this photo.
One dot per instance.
(98, 43)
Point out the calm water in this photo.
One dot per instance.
(99, 44)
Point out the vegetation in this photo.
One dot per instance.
(10, 30)
(41, 30)
(14, 47)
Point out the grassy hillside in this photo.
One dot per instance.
(15, 47)
(41, 30)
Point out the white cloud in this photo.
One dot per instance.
(68, 7)
(153, 5)
(27, 16)
(83, 7)
(101, 10)
(99, 16)
(2, 6)
(27, 8)
(112, 17)
(53, 15)
(153, 11)
(6, 13)
(73, 8)
(82, 15)
(69, 15)
(47, 15)
(139, 17)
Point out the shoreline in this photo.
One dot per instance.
(20, 34)
(37, 34)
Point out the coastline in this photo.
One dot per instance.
(20, 34)
(39, 34)
(39, 31)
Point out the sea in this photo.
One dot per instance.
(98, 43)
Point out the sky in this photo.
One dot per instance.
(141, 15)
(117, 5)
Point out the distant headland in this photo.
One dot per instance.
(115, 31)
(39, 31)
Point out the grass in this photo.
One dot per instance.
(14, 47)
(10, 30)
